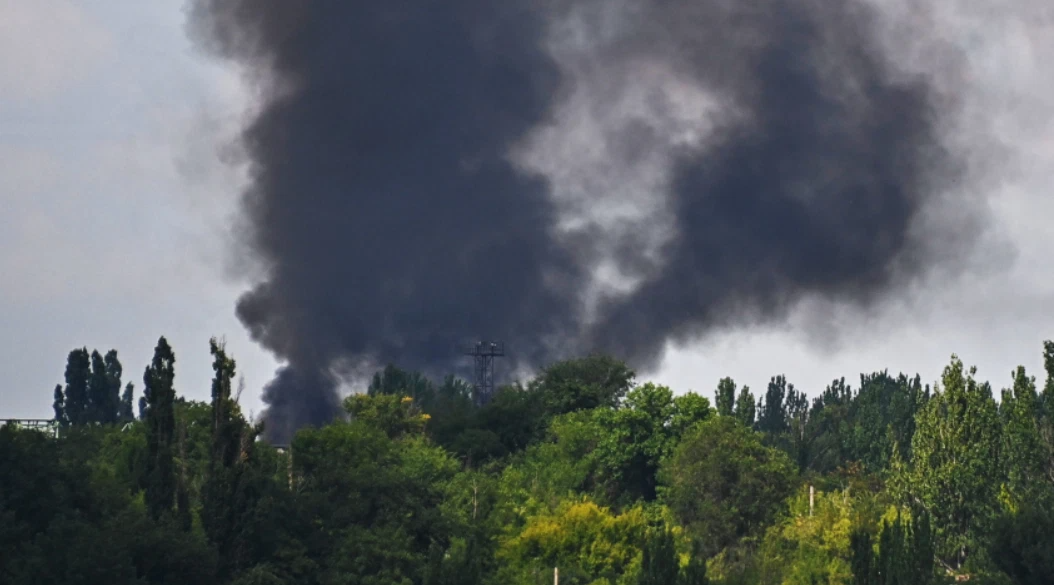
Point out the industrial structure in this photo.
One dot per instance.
(47, 426)
(484, 353)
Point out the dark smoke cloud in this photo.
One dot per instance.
(814, 187)
(393, 225)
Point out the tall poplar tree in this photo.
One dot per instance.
(772, 417)
(78, 373)
(114, 370)
(126, 412)
(904, 557)
(725, 396)
(746, 410)
(59, 406)
(1024, 455)
(160, 480)
(224, 500)
(98, 389)
(955, 469)
(1046, 410)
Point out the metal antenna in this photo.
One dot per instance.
(484, 353)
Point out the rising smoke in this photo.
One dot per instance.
(424, 174)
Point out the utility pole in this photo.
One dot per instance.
(556, 576)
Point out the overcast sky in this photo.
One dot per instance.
(115, 206)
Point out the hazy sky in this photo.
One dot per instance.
(115, 209)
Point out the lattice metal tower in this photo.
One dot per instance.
(484, 353)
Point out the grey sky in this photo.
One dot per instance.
(114, 210)
(112, 199)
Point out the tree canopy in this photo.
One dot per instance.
(582, 469)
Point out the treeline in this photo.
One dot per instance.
(581, 470)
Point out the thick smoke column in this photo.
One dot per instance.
(394, 224)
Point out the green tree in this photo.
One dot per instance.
(69, 518)
(772, 415)
(745, 411)
(374, 502)
(904, 557)
(144, 403)
(658, 564)
(111, 404)
(614, 454)
(1023, 543)
(695, 571)
(1023, 449)
(798, 441)
(725, 396)
(827, 429)
(91, 391)
(160, 480)
(226, 502)
(125, 412)
(1047, 409)
(724, 484)
(76, 404)
(632, 442)
(98, 391)
(584, 383)
(863, 558)
(394, 414)
(472, 510)
(515, 416)
(392, 380)
(587, 542)
(689, 409)
(955, 470)
(58, 405)
(883, 414)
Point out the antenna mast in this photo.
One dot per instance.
(484, 353)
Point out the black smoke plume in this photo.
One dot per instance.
(394, 224)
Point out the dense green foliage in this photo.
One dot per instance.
(581, 470)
